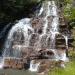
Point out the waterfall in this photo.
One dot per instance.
(23, 34)
(21, 27)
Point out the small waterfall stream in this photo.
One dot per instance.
(34, 66)
(66, 40)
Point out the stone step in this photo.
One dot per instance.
(60, 48)
(61, 45)
(61, 20)
(63, 48)
(70, 39)
(63, 26)
(62, 38)
(60, 17)
(13, 63)
(63, 30)
(59, 42)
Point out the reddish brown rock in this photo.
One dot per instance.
(7, 63)
(13, 63)
(37, 22)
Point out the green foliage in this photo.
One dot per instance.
(69, 12)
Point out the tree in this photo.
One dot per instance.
(11, 10)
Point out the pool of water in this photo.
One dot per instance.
(16, 72)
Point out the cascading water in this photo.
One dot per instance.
(54, 25)
(50, 29)
(23, 34)
(21, 27)
(16, 32)
(66, 40)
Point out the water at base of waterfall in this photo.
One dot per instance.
(16, 72)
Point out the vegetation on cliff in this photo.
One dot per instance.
(10, 10)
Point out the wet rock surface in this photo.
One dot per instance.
(44, 55)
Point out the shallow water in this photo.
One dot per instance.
(16, 72)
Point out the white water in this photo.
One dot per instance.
(21, 27)
(63, 57)
(34, 66)
(66, 40)
(41, 11)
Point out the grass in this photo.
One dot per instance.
(70, 67)
(69, 70)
